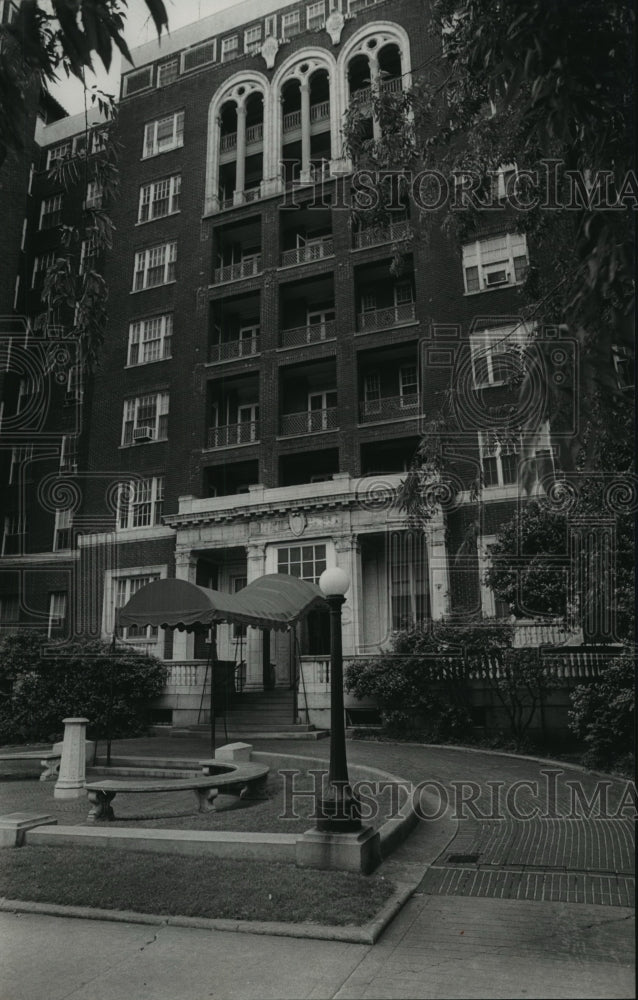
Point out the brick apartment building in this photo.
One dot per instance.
(264, 380)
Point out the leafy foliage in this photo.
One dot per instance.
(603, 714)
(39, 687)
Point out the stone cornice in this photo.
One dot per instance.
(256, 511)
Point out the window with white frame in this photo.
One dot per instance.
(51, 212)
(62, 530)
(155, 266)
(497, 355)
(21, 456)
(372, 392)
(230, 47)
(500, 457)
(290, 24)
(408, 578)
(94, 195)
(14, 530)
(167, 72)
(354, 6)
(495, 262)
(164, 134)
(69, 454)
(145, 419)
(99, 140)
(41, 265)
(89, 251)
(139, 80)
(57, 612)
(140, 503)
(316, 16)
(124, 587)
(403, 293)
(9, 610)
(409, 385)
(59, 153)
(199, 55)
(150, 339)
(321, 318)
(271, 26)
(159, 198)
(252, 39)
(307, 562)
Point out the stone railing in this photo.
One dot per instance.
(389, 407)
(320, 112)
(190, 674)
(308, 422)
(312, 334)
(377, 235)
(228, 435)
(308, 253)
(255, 133)
(231, 349)
(364, 95)
(380, 319)
(292, 121)
(234, 272)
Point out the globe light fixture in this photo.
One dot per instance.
(334, 582)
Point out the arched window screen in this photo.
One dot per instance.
(407, 563)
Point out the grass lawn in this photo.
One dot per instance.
(187, 886)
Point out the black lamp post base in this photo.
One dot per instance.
(338, 812)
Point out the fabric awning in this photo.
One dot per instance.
(274, 601)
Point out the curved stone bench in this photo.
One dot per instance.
(244, 780)
(49, 760)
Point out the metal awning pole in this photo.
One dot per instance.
(213, 662)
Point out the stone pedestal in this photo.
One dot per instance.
(357, 852)
(234, 752)
(70, 784)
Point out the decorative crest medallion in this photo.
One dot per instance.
(297, 522)
(335, 25)
(269, 51)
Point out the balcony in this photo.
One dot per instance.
(316, 250)
(381, 319)
(310, 334)
(246, 268)
(308, 422)
(364, 94)
(318, 113)
(229, 435)
(389, 408)
(232, 349)
(254, 134)
(377, 235)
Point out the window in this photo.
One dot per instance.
(238, 583)
(9, 610)
(13, 534)
(271, 26)
(69, 454)
(408, 572)
(290, 24)
(40, 266)
(199, 55)
(409, 385)
(51, 212)
(145, 419)
(123, 589)
(372, 392)
(167, 72)
(497, 355)
(94, 195)
(139, 80)
(62, 536)
(491, 263)
(150, 339)
(316, 16)
(57, 612)
(99, 140)
(230, 47)
(307, 562)
(159, 198)
(321, 318)
(403, 294)
(252, 39)
(368, 302)
(164, 134)
(500, 454)
(354, 6)
(155, 266)
(140, 503)
(20, 458)
(59, 153)
(89, 251)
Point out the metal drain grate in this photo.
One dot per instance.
(463, 859)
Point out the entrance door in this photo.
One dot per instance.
(247, 417)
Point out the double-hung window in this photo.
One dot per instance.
(150, 339)
(59, 153)
(409, 385)
(497, 355)
(164, 134)
(307, 562)
(140, 503)
(230, 47)
(372, 392)
(316, 16)
(40, 266)
(145, 418)
(155, 266)
(124, 587)
(500, 457)
(252, 39)
(159, 198)
(495, 262)
(290, 24)
(89, 251)
(51, 212)
(94, 195)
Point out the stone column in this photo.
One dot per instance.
(348, 554)
(255, 568)
(70, 784)
(185, 569)
(305, 131)
(240, 176)
(438, 568)
(374, 88)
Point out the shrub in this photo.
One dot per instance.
(603, 714)
(40, 685)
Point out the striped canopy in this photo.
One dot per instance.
(275, 601)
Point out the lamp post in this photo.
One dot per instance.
(337, 809)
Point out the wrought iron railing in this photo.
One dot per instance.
(312, 251)
(389, 407)
(377, 235)
(227, 435)
(309, 422)
(244, 269)
(311, 334)
(230, 349)
(379, 319)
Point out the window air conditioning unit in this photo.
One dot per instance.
(497, 278)
(143, 433)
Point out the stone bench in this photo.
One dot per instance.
(49, 759)
(243, 780)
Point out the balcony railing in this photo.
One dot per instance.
(292, 121)
(311, 334)
(252, 194)
(376, 235)
(231, 349)
(228, 435)
(389, 407)
(379, 319)
(318, 113)
(311, 251)
(309, 422)
(234, 272)
(364, 95)
(255, 133)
